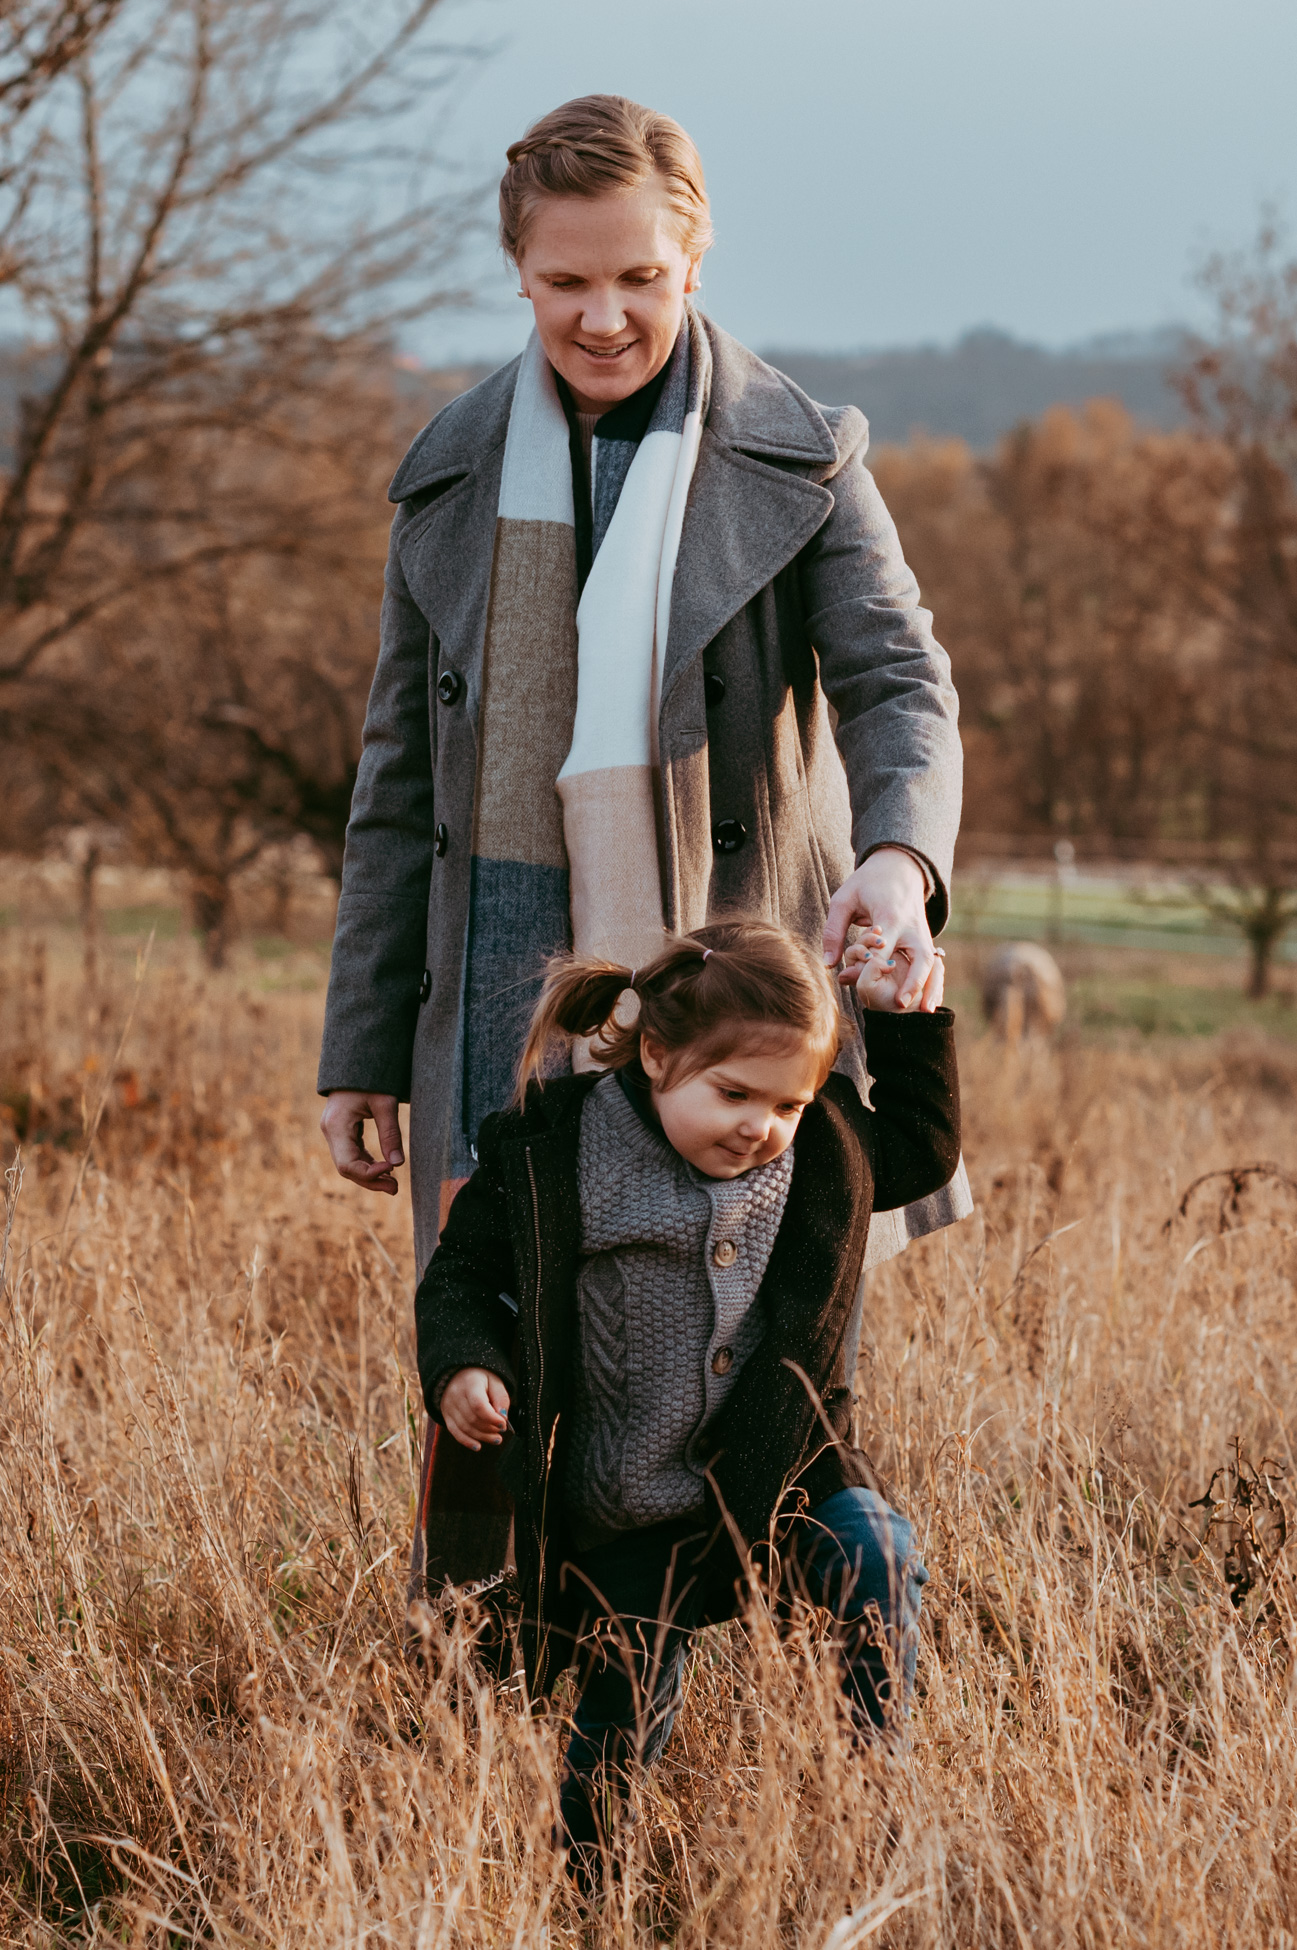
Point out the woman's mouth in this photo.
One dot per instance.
(607, 353)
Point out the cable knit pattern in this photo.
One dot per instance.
(664, 1329)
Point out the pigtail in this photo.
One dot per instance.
(578, 999)
(703, 996)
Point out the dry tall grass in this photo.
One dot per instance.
(207, 1727)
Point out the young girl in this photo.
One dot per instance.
(641, 1299)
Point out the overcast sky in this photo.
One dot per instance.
(895, 173)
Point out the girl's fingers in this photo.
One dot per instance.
(877, 983)
(934, 988)
(918, 958)
(474, 1407)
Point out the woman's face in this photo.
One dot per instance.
(607, 277)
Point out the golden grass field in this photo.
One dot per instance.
(208, 1729)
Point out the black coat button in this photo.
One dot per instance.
(728, 835)
(450, 686)
(440, 841)
(425, 986)
(713, 688)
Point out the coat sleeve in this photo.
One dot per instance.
(886, 677)
(380, 943)
(461, 1318)
(913, 1133)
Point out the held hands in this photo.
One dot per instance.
(343, 1124)
(894, 966)
(475, 1407)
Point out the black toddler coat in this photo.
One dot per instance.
(783, 1437)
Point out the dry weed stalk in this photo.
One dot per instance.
(208, 1725)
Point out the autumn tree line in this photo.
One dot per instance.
(1120, 606)
(215, 218)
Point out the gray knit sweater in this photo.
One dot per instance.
(671, 1265)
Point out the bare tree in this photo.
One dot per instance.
(1241, 386)
(217, 215)
(223, 714)
(213, 201)
(38, 40)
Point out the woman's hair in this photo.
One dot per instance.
(738, 985)
(595, 146)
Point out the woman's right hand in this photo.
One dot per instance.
(343, 1124)
(475, 1407)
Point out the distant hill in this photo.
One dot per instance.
(976, 389)
(985, 384)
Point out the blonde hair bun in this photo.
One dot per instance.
(599, 145)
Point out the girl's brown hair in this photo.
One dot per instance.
(706, 996)
(595, 146)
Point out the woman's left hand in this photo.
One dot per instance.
(880, 982)
(886, 896)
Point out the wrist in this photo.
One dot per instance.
(899, 856)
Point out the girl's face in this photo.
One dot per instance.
(607, 277)
(736, 1114)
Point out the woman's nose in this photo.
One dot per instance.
(602, 314)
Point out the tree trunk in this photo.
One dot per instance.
(1262, 942)
(90, 920)
(210, 900)
(1266, 926)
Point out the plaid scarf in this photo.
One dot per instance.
(566, 832)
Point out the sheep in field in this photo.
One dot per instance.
(1023, 991)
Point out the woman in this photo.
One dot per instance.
(650, 655)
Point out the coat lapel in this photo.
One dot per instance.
(748, 514)
(450, 479)
(753, 503)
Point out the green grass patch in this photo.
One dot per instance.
(142, 920)
(1100, 1007)
(1098, 914)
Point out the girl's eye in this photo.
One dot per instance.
(735, 1096)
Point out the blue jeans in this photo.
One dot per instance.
(852, 1554)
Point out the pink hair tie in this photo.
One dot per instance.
(706, 952)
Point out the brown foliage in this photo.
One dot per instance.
(1067, 573)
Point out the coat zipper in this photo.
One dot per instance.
(535, 1220)
(542, 1644)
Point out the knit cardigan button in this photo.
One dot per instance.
(728, 835)
(722, 1360)
(724, 1253)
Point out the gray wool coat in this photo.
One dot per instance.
(831, 732)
